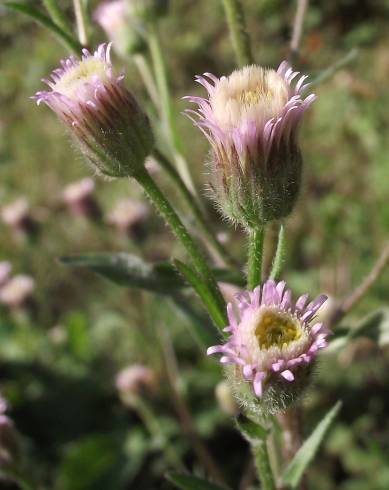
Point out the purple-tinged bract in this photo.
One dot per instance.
(113, 132)
(251, 120)
(272, 345)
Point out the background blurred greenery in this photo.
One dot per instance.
(58, 359)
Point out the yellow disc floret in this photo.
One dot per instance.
(86, 71)
(277, 329)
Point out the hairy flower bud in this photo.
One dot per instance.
(112, 130)
(272, 346)
(251, 120)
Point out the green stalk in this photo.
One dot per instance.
(262, 463)
(279, 255)
(81, 21)
(255, 257)
(145, 72)
(168, 114)
(57, 15)
(197, 212)
(239, 36)
(178, 228)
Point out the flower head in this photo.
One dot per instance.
(272, 345)
(113, 132)
(16, 291)
(251, 120)
(121, 24)
(135, 379)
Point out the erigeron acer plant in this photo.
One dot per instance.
(268, 341)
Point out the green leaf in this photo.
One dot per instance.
(251, 430)
(306, 453)
(45, 21)
(202, 290)
(189, 482)
(131, 271)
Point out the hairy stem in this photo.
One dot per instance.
(262, 463)
(197, 212)
(279, 255)
(178, 228)
(255, 257)
(239, 36)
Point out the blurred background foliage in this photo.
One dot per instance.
(60, 354)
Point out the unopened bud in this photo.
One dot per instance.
(113, 132)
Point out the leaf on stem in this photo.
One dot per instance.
(190, 482)
(306, 453)
(131, 271)
(203, 291)
(251, 430)
(45, 21)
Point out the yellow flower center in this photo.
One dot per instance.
(83, 73)
(277, 329)
(253, 97)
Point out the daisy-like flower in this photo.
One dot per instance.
(272, 344)
(112, 130)
(251, 120)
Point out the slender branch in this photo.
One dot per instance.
(363, 288)
(169, 117)
(80, 14)
(147, 78)
(183, 411)
(178, 228)
(262, 463)
(239, 36)
(210, 237)
(279, 255)
(298, 28)
(255, 257)
(331, 70)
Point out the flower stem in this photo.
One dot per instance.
(197, 212)
(255, 257)
(145, 72)
(80, 14)
(168, 115)
(279, 255)
(262, 463)
(239, 36)
(178, 228)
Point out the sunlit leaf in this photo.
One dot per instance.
(306, 453)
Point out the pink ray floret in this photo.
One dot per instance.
(270, 336)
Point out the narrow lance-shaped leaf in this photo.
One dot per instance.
(189, 482)
(42, 19)
(306, 453)
(131, 271)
